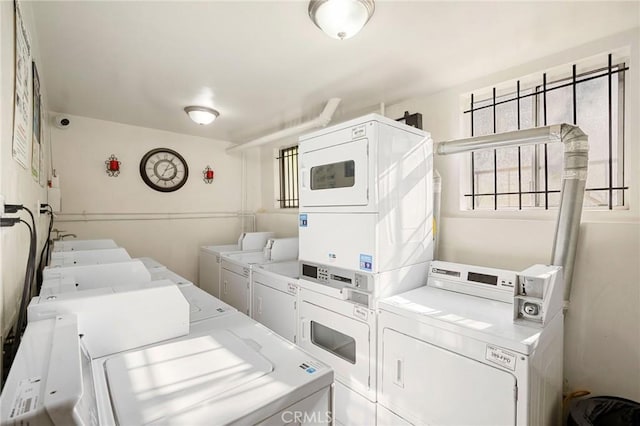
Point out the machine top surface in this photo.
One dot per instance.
(221, 248)
(361, 120)
(228, 369)
(289, 269)
(246, 259)
(476, 317)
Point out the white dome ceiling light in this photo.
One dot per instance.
(201, 115)
(341, 19)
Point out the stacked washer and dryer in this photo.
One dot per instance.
(365, 229)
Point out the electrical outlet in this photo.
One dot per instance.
(1, 205)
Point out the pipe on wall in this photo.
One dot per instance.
(574, 178)
(320, 121)
(437, 199)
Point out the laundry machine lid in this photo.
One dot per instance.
(476, 317)
(221, 248)
(246, 258)
(290, 268)
(151, 264)
(154, 383)
(202, 305)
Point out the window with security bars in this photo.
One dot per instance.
(288, 162)
(530, 176)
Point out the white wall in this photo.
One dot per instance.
(166, 226)
(16, 183)
(602, 332)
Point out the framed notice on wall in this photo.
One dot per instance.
(22, 102)
(36, 145)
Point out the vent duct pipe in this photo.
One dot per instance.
(574, 178)
(320, 121)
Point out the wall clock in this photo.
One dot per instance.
(164, 170)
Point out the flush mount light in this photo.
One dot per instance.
(201, 115)
(341, 19)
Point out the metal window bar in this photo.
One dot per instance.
(288, 161)
(575, 79)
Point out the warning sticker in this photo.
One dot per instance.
(366, 262)
(26, 398)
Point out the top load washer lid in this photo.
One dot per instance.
(151, 264)
(154, 383)
(202, 305)
(246, 259)
(476, 317)
(289, 268)
(72, 245)
(221, 249)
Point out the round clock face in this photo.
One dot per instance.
(164, 170)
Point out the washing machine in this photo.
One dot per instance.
(86, 277)
(476, 345)
(226, 370)
(274, 299)
(122, 274)
(236, 270)
(88, 257)
(73, 245)
(209, 258)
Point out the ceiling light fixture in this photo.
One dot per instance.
(201, 115)
(341, 19)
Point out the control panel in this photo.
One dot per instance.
(336, 277)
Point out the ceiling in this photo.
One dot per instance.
(264, 65)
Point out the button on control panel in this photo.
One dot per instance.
(323, 274)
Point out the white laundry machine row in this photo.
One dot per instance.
(88, 257)
(209, 258)
(236, 270)
(372, 176)
(72, 279)
(475, 346)
(73, 245)
(275, 297)
(78, 363)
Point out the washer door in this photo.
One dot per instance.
(426, 384)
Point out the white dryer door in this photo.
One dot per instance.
(235, 290)
(340, 341)
(275, 309)
(426, 384)
(335, 176)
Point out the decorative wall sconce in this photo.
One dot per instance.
(207, 175)
(113, 166)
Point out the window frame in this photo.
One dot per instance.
(288, 192)
(615, 185)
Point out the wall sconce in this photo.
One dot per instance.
(207, 175)
(113, 166)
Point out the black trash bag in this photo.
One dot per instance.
(604, 411)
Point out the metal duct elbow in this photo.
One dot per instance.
(574, 178)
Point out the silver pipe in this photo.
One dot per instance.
(576, 157)
(502, 140)
(437, 199)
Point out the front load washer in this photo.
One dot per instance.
(209, 258)
(274, 299)
(454, 352)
